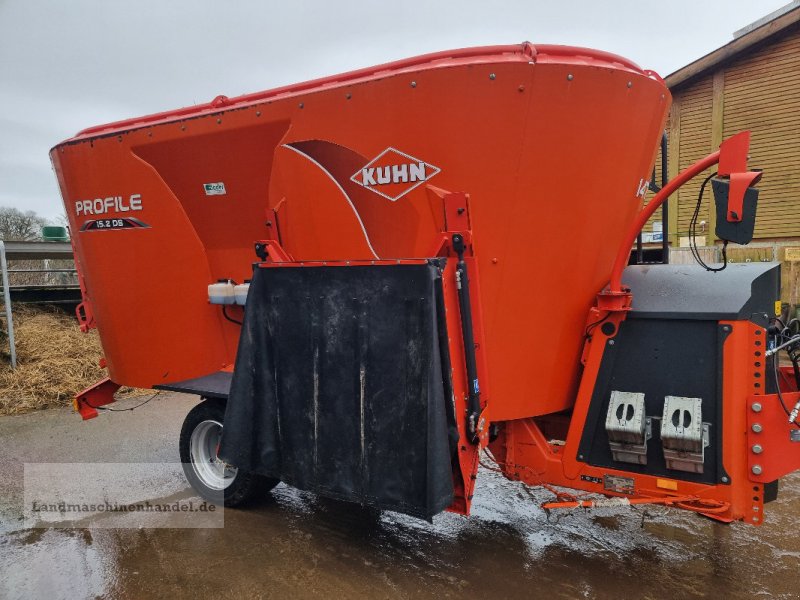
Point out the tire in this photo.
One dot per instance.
(211, 478)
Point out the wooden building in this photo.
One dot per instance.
(752, 83)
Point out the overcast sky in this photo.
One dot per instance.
(66, 65)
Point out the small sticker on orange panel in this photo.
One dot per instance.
(667, 484)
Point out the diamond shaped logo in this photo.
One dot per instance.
(392, 174)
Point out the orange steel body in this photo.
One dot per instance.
(524, 148)
(551, 144)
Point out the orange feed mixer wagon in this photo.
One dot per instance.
(373, 278)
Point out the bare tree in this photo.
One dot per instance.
(16, 225)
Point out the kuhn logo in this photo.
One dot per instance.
(392, 174)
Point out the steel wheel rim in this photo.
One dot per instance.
(203, 445)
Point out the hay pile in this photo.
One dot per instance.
(55, 360)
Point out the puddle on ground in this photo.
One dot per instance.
(295, 544)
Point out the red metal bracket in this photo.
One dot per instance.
(89, 400)
(733, 164)
(739, 184)
(456, 212)
(83, 311)
(773, 444)
(733, 154)
(85, 316)
(272, 250)
(456, 220)
(610, 301)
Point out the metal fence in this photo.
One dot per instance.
(36, 266)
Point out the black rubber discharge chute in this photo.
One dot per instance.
(339, 386)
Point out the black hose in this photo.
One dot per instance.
(468, 334)
(693, 233)
(227, 316)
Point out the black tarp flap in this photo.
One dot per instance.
(338, 386)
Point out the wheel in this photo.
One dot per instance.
(213, 479)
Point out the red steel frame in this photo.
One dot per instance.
(545, 450)
(456, 218)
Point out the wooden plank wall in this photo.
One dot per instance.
(695, 105)
(759, 91)
(762, 93)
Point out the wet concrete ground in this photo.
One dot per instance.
(294, 545)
